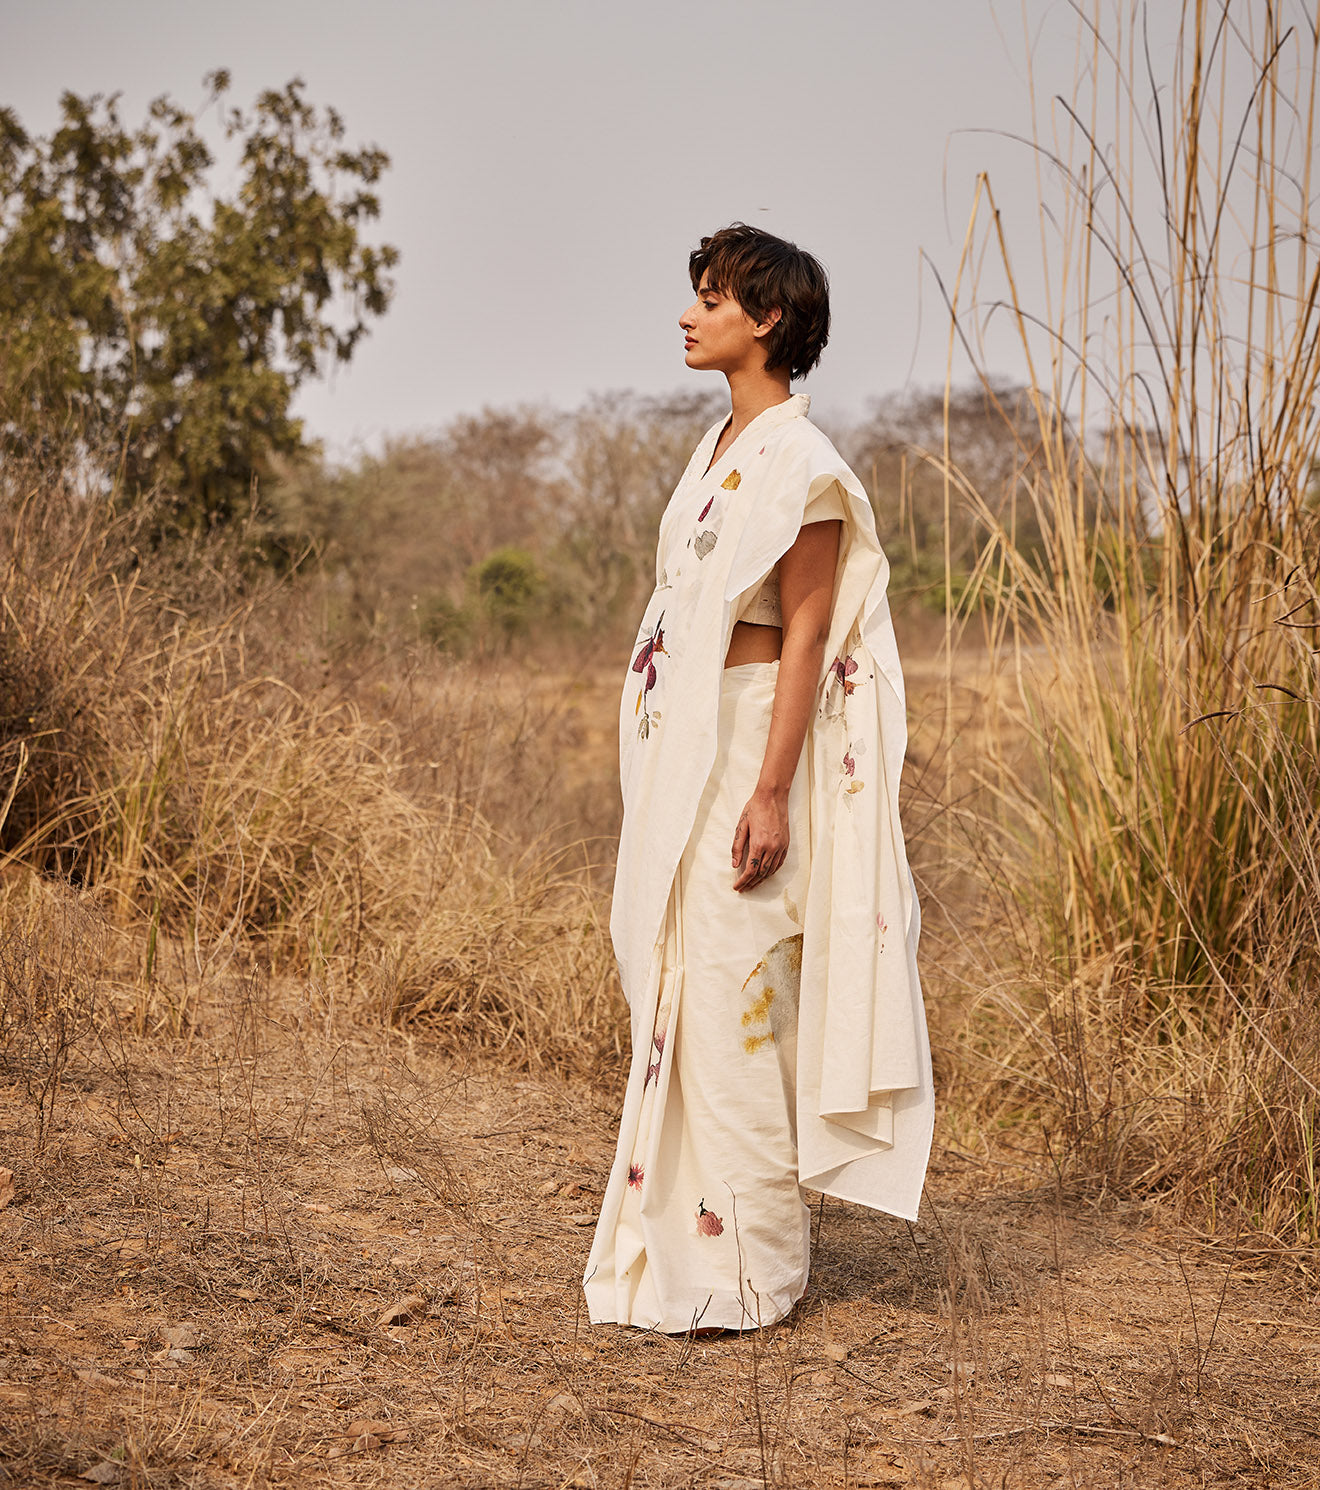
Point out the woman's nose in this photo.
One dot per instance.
(686, 321)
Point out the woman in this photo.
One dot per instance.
(764, 917)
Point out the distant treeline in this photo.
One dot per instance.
(513, 523)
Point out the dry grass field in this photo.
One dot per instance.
(277, 1240)
(284, 1249)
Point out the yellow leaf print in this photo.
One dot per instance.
(766, 1015)
(732, 481)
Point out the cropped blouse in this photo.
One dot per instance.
(761, 606)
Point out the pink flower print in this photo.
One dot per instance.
(884, 929)
(849, 763)
(635, 1176)
(658, 1040)
(701, 516)
(844, 668)
(761, 451)
(708, 1223)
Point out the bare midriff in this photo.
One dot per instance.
(753, 643)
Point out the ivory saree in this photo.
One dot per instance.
(778, 1035)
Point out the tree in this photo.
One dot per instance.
(143, 314)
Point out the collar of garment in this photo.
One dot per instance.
(795, 406)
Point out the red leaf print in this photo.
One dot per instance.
(843, 670)
(849, 764)
(701, 516)
(652, 1074)
(708, 1223)
(648, 651)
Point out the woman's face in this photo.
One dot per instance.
(719, 335)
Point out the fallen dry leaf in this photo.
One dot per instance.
(181, 1335)
(380, 1428)
(367, 1433)
(565, 1403)
(95, 1378)
(352, 1446)
(906, 1409)
(6, 1186)
(107, 1472)
(403, 1309)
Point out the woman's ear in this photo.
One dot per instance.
(766, 326)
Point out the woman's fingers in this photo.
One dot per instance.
(752, 866)
(761, 862)
(740, 836)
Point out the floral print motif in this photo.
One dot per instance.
(653, 1070)
(636, 1174)
(732, 481)
(701, 516)
(841, 682)
(705, 542)
(848, 768)
(708, 1223)
(644, 663)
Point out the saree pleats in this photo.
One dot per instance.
(703, 1223)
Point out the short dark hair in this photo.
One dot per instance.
(765, 273)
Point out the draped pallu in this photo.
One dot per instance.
(863, 1097)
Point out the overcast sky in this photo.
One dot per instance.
(555, 160)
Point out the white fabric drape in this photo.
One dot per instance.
(862, 1084)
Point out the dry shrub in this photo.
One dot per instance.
(1163, 642)
(52, 958)
(213, 783)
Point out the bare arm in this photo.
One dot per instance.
(806, 590)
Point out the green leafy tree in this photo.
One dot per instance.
(509, 584)
(143, 314)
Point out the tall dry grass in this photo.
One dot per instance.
(221, 787)
(1161, 647)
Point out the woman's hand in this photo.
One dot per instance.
(760, 841)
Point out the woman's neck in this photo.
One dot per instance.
(752, 392)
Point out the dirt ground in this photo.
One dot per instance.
(272, 1253)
